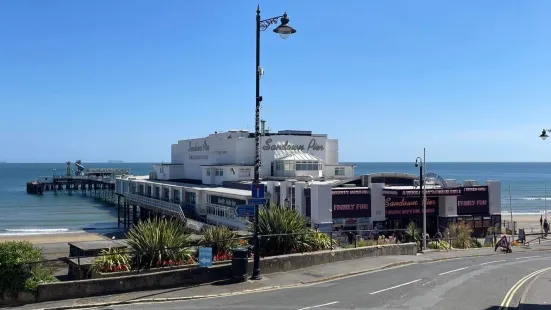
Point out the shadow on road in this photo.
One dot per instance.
(523, 307)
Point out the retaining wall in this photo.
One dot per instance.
(194, 276)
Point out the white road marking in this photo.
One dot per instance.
(526, 257)
(495, 261)
(327, 304)
(443, 273)
(397, 286)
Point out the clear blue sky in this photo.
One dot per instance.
(99, 80)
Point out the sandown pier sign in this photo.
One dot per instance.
(270, 145)
(197, 147)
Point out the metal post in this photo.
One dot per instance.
(511, 209)
(256, 180)
(421, 193)
(545, 199)
(423, 187)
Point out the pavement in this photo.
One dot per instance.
(350, 283)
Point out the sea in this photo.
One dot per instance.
(525, 190)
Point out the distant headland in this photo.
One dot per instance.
(112, 161)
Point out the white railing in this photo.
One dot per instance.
(166, 207)
(85, 177)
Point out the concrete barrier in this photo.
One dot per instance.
(195, 276)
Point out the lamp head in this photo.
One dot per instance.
(284, 30)
(544, 134)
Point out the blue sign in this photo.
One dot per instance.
(257, 201)
(205, 257)
(244, 211)
(257, 191)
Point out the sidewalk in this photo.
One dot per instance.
(310, 275)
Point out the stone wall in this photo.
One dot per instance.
(194, 276)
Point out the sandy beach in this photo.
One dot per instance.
(54, 238)
(531, 223)
(55, 245)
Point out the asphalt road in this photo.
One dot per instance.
(470, 283)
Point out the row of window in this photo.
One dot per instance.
(339, 171)
(197, 157)
(298, 166)
(218, 172)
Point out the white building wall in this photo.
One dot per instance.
(321, 203)
(494, 196)
(377, 202)
(332, 152)
(447, 205)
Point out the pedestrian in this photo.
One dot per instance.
(545, 227)
(438, 235)
(541, 220)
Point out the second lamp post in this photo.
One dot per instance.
(420, 162)
(284, 31)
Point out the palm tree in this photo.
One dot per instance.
(283, 230)
(157, 241)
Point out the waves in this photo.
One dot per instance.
(36, 231)
(55, 231)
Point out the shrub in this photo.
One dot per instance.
(440, 245)
(159, 241)
(316, 240)
(475, 243)
(221, 239)
(460, 234)
(19, 268)
(284, 231)
(413, 234)
(111, 260)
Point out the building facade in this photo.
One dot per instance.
(229, 156)
(209, 178)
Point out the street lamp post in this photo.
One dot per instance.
(419, 162)
(284, 31)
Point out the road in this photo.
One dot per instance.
(469, 283)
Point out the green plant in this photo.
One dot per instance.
(158, 241)
(475, 243)
(20, 268)
(440, 245)
(283, 231)
(111, 260)
(460, 235)
(316, 240)
(39, 276)
(221, 239)
(413, 234)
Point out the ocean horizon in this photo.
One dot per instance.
(524, 191)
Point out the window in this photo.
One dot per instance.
(190, 197)
(208, 171)
(339, 171)
(219, 172)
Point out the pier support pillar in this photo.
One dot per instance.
(134, 215)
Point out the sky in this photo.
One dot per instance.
(99, 80)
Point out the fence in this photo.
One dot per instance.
(124, 259)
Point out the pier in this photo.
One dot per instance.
(94, 182)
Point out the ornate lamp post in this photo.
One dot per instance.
(284, 31)
(419, 162)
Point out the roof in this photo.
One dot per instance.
(300, 156)
(292, 154)
(229, 191)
